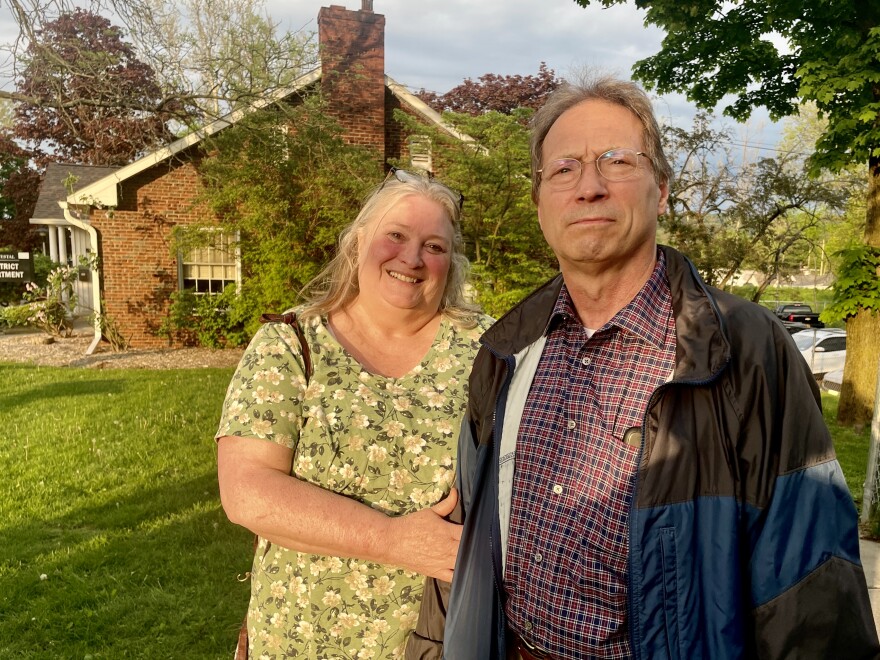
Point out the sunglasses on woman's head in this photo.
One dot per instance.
(405, 176)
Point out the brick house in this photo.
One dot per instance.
(126, 215)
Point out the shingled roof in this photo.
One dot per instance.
(57, 185)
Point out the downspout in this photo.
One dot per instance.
(96, 282)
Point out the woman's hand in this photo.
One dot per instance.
(424, 542)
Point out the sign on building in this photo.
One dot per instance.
(16, 267)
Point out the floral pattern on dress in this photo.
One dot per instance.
(389, 443)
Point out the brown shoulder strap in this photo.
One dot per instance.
(290, 319)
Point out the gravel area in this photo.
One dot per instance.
(40, 349)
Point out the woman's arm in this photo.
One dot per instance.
(258, 492)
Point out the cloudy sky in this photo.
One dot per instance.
(436, 44)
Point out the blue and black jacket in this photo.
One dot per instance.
(743, 534)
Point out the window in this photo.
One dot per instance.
(210, 268)
(833, 344)
(420, 153)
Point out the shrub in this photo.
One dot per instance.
(214, 321)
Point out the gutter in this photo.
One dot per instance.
(96, 282)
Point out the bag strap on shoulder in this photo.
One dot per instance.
(290, 319)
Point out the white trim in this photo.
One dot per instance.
(523, 375)
(424, 109)
(96, 274)
(105, 192)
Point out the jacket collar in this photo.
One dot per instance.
(702, 346)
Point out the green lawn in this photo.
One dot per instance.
(851, 448)
(113, 541)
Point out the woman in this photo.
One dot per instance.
(346, 478)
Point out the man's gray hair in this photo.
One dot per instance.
(606, 88)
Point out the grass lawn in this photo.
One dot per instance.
(851, 447)
(113, 541)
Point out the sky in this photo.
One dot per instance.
(436, 44)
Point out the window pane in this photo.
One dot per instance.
(209, 269)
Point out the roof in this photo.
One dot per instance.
(58, 182)
(105, 191)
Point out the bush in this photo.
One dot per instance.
(47, 307)
(213, 321)
(12, 293)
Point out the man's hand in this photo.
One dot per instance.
(424, 542)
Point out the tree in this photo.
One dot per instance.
(285, 183)
(218, 55)
(712, 50)
(496, 93)
(728, 215)
(210, 56)
(19, 184)
(86, 92)
(508, 254)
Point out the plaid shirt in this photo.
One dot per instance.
(566, 571)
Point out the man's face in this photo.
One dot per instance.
(599, 222)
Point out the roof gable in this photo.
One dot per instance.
(105, 191)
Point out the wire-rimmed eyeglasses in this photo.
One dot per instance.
(613, 165)
(405, 176)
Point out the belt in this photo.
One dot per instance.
(527, 650)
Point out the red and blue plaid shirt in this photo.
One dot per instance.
(566, 571)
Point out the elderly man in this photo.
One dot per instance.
(644, 468)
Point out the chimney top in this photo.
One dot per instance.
(366, 5)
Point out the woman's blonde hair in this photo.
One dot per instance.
(337, 284)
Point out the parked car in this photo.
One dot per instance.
(798, 313)
(832, 381)
(824, 349)
(794, 326)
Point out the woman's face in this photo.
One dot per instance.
(405, 255)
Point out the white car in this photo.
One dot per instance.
(832, 382)
(824, 349)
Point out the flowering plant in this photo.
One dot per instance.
(48, 307)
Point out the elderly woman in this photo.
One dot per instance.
(345, 475)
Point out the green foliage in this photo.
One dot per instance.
(713, 54)
(214, 321)
(284, 181)
(47, 307)
(114, 541)
(858, 283)
(508, 253)
(850, 445)
(12, 292)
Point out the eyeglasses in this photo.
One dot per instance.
(405, 176)
(613, 165)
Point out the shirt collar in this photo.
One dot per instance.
(639, 317)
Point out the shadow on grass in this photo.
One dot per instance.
(154, 575)
(57, 389)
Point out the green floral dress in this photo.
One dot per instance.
(387, 442)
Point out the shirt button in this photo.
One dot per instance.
(571, 424)
(557, 488)
(586, 362)
(538, 557)
(527, 625)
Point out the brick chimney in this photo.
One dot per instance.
(352, 48)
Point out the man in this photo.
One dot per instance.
(644, 468)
